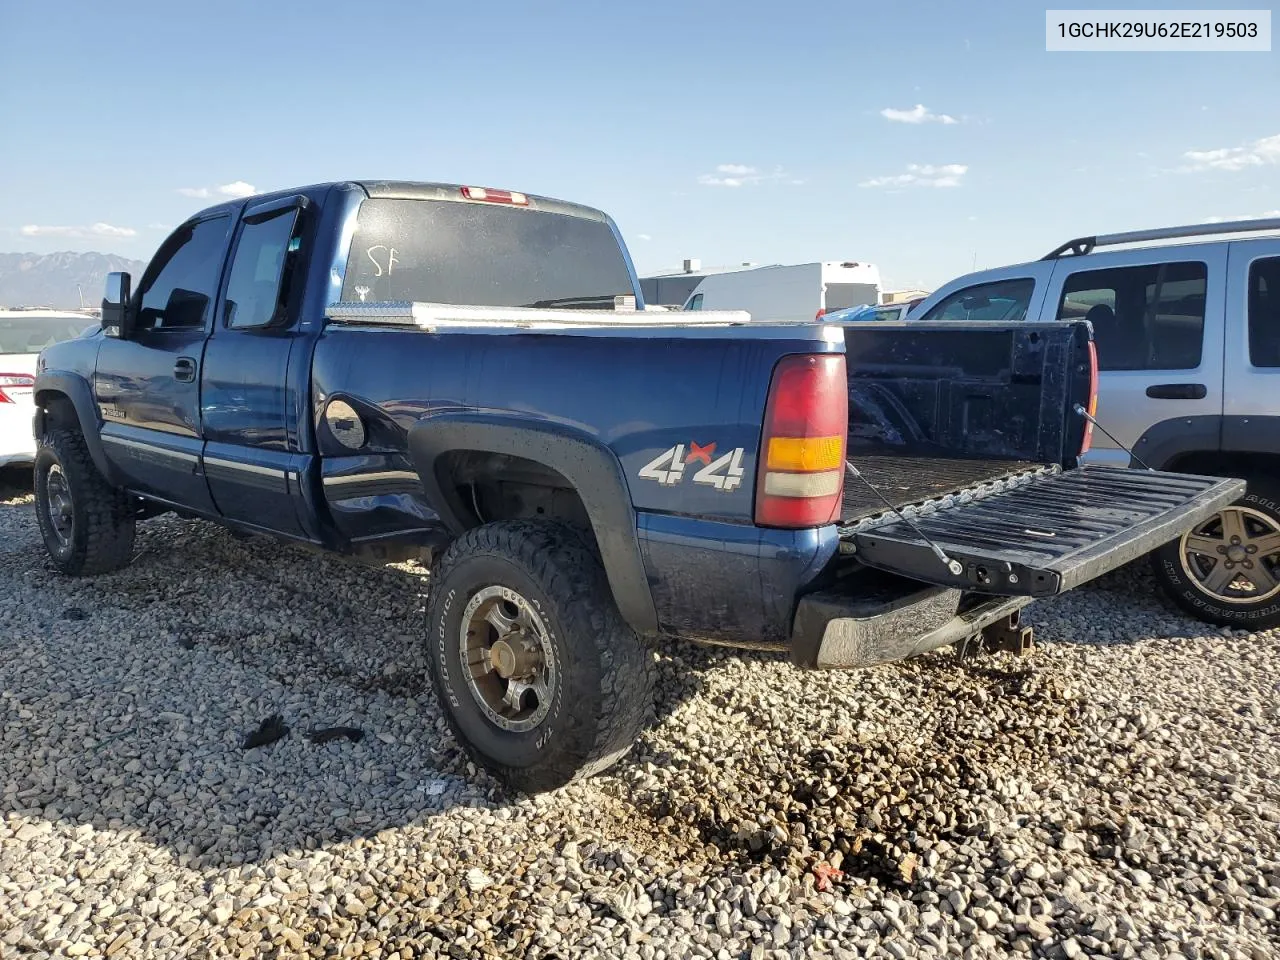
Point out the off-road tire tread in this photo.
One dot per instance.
(571, 576)
(104, 513)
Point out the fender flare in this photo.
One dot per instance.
(76, 389)
(1163, 442)
(587, 464)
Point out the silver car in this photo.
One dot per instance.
(1188, 340)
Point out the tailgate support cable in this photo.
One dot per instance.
(955, 566)
(1088, 416)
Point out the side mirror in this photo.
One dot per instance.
(115, 306)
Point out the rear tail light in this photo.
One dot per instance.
(1093, 398)
(14, 385)
(800, 479)
(495, 196)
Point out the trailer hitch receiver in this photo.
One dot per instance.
(1006, 635)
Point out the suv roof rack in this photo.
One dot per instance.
(1085, 245)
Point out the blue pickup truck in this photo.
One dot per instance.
(469, 376)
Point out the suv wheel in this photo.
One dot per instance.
(1227, 570)
(87, 524)
(538, 675)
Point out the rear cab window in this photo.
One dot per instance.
(456, 252)
(1144, 317)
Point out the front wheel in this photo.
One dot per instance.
(1227, 570)
(540, 678)
(87, 524)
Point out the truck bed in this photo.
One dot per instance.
(907, 480)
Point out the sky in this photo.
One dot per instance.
(927, 138)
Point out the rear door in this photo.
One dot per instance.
(148, 387)
(251, 456)
(1157, 317)
(1252, 356)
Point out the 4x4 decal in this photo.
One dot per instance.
(723, 472)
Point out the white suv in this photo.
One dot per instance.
(1188, 338)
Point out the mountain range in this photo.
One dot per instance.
(50, 279)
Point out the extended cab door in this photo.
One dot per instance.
(148, 387)
(251, 456)
(1157, 317)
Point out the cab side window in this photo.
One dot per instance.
(1006, 300)
(1148, 317)
(257, 287)
(182, 280)
(1264, 312)
(695, 303)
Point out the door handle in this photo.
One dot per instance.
(1177, 391)
(184, 369)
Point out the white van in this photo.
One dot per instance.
(798, 292)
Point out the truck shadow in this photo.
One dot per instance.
(15, 483)
(125, 699)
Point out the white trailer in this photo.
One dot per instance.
(802, 291)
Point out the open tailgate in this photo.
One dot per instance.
(1043, 532)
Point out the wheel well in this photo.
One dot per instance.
(1213, 463)
(501, 486)
(58, 409)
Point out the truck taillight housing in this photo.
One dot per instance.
(800, 479)
(13, 384)
(1093, 398)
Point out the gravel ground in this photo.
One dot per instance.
(1114, 794)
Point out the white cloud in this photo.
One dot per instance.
(237, 188)
(917, 114)
(741, 175)
(643, 236)
(1259, 153)
(1248, 216)
(922, 175)
(78, 233)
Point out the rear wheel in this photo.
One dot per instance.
(87, 524)
(1227, 570)
(540, 678)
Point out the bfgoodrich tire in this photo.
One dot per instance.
(87, 524)
(539, 677)
(1227, 571)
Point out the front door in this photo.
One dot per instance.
(1157, 319)
(148, 386)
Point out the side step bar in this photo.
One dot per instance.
(1046, 535)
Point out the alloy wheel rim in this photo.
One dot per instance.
(1234, 556)
(507, 658)
(58, 505)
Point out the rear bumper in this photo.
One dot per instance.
(836, 631)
